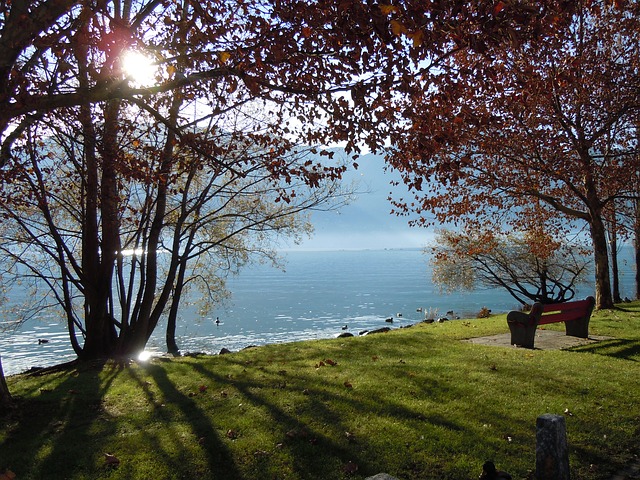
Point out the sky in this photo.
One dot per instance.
(366, 223)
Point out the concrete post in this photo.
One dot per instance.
(552, 453)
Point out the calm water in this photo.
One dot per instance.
(319, 294)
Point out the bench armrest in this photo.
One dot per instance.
(515, 316)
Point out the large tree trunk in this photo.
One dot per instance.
(100, 208)
(5, 397)
(172, 320)
(603, 295)
(637, 248)
(615, 277)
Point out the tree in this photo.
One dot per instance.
(531, 134)
(462, 261)
(175, 226)
(216, 56)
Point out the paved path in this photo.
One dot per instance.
(545, 340)
(632, 472)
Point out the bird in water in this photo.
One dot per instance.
(217, 320)
(489, 472)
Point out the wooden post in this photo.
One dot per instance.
(552, 453)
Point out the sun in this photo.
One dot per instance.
(139, 69)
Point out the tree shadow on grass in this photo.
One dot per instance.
(52, 434)
(219, 460)
(299, 444)
(618, 348)
(320, 427)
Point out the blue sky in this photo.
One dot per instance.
(366, 223)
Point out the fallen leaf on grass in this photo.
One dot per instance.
(348, 385)
(328, 361)
(350, 468)
(202, 388)
(111, 460)
(232, 434)
(297, 433)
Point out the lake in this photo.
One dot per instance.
(320, 295)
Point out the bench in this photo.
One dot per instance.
(575, 316)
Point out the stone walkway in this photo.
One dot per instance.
(632, 472)
(545, 340)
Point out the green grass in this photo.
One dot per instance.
(417, 403)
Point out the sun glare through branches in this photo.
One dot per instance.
(139, 68)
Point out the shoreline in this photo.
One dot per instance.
(158, 353)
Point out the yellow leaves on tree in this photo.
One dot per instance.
(388, 9)
(399, 29)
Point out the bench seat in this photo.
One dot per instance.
(575, 315)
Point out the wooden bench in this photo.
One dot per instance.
(575, 316)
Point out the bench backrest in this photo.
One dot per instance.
(565, 312)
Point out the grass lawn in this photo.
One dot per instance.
(417, 403)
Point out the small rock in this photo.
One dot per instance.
(224, 351)
(379, 330)
(345, 335)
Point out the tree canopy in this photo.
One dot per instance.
(464, 261)
(332, 66)
(536, 134)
